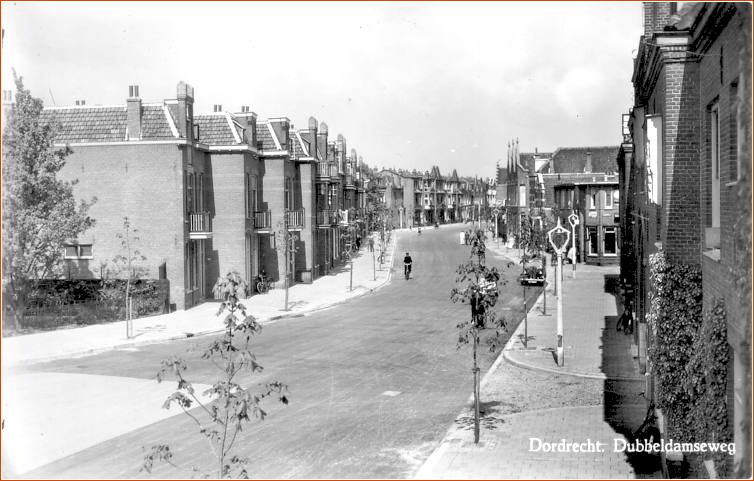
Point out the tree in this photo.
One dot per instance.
(479, 286)
(285, 242)
(125, 265)
(40, 213)
(232, 406)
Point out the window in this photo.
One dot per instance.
(288, 193)
(609, 241)
(190, 192)
(200, 194)
(593, 241)
(254, 196)
(714, 135)
(593, 201)
(78, 251)
(735, 141)
(608, 199)
(616, 196)
(653, 153)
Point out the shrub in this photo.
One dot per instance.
(674, 319)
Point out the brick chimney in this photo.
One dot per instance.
(322, 139)
(251, 125)
(340, 152)
(311, 136)
(133, 108)
(184, 114)
(656, 16)
(588, 164)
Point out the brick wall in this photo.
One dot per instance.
(656, 16)
(144, 183)
(680, 210)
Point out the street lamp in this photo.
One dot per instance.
(573, 219)
(559, 237)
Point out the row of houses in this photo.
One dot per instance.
(685, 194)
(414, 198)
(580, 181)
(206, 193)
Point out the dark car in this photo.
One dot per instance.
(534, 272)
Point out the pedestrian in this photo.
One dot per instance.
(358, 241)
(371, 244)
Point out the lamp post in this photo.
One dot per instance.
(559, 237)
(573, 219)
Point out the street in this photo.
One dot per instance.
(374, 383)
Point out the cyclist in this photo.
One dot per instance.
(407, 265)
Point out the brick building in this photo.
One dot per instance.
(206, 192)
(685, 168)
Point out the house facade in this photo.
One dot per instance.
(685, 168)
(206, 193)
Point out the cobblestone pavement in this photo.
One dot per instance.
(528, 402)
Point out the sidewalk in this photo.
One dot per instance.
(528, 402)
(324, 292)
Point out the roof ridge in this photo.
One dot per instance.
(83, 107)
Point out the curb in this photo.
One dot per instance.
(189, 335)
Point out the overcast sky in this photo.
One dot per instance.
(408, 84)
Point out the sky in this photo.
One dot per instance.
(409, 85)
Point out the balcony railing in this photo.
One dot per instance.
(294, 218)
(323, 170)
(200, 225)
(327, 217)
(262, 219)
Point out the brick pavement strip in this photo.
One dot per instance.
(549, 404)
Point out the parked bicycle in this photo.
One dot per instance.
(263, 283)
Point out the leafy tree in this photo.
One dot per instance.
(479, 286)
(233, 406)
(40, 213)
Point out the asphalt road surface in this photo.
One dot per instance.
(374, 383)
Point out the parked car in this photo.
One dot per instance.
(534, 272)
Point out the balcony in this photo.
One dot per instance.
(323, 170)
(200, 225)
(327, 218)
(262, 220)
(349, 182)
(294, 219)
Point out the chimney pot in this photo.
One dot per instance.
(312, 123)
(133, 91)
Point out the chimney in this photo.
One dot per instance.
(217, 108)
(588, 165)
(656, 16)
(133, 108)
(251, 125)
(79, 103)
(322, 139)
(184, 115)
(312, 137)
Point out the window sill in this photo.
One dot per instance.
(712, 254)
(731, 184)
(84, 258)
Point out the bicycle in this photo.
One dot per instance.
(407, 270)
(263, 284)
